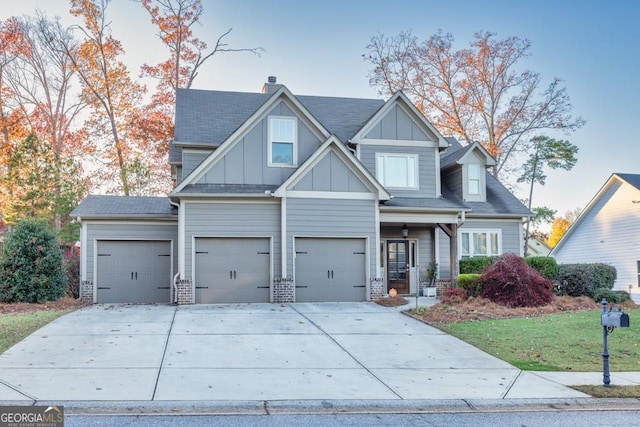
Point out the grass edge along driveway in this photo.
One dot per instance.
(14, 327)
(555, 342)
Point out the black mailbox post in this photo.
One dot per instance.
(614, 318)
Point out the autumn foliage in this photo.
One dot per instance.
(511, 282)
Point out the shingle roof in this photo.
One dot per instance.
(114, 206)
(631, 178)
(210, 117)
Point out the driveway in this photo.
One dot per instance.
(247, 352)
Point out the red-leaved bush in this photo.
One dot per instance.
(511, 282)
(454, 296)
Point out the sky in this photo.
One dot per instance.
(315, 48)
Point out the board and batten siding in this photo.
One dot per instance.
(247, 161)
(331, 218)
(609, 232)
(191, 159)
(231, 220)
(511, 240)
(125, 230)
(426, 167)
(331, 174)
(397, 125)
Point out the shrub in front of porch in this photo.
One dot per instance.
(511, 282)
(476, 264)
(471, 283)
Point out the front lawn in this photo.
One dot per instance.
(553, 342)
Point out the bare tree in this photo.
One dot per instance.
(476, 93)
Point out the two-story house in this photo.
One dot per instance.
(283, 198)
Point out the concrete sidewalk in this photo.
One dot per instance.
(262, 352)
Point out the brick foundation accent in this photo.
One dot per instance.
(284, 290)
(86, 291)
(442, 286)
(184, 292)
(376, 288)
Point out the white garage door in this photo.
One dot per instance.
(232, 270)
(133, 271)
(330, 270)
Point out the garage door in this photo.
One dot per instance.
(330, 270)
(134, 271)
(232, 270)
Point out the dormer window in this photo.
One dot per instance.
(283, 150)
(473, 179)
(397, 171)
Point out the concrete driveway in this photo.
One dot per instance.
(248, 352)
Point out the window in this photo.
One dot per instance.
(282, 141)
(480, 243)
(397, 170)
(473, 179)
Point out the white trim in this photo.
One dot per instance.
(129, 222)
(182, 234)
(407, 156)
(283, 238)
(378, 240)
(343, 195)
(246, 127)
(418, 217)
(83, 250)
(396, 142)
(269, 200)
(436, 247)
(294, 142)
(487, 232)
(438, 174)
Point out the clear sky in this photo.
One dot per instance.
(315, 48)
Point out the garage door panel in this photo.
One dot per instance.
(330, 270)
(134, 271)
(232, 270)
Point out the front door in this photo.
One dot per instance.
(398, 266)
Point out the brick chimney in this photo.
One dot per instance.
(270, 86)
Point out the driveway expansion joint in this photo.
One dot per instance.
(164, 353)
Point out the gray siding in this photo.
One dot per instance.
(607, 233)
(247, 162)
(425, 238)
(426, 165)
(233, 220)
(397, 125)
(510, 230)
(99, 230)
(331, 174)
(452, 178)
(331, 218)
(191, 159)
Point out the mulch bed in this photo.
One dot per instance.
(66, 303)
(392, 301)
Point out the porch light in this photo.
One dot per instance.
(405, 231)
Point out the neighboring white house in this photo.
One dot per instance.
(608, 230)
(537, 247)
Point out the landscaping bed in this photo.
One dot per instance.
(63, 304)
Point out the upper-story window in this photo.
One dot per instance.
(283, 150)
(473, 179)
(398, 171)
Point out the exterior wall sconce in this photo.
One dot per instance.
(405, 231)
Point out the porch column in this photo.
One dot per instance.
(451, 230)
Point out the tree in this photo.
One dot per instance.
(107, 87)
(175, 20)
(31, 268)
(547, 152)
(40, 80)
(559, 227)
(42, 185)
(475, 94)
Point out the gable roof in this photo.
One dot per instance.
(457, 154)
(99, 206)
(631, 179)
(209, 117)
(353, 163)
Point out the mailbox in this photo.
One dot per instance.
(615, 319)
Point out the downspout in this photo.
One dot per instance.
(177, 275)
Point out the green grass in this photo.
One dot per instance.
(557, 342)
(15, 327)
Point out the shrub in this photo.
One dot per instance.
(31, 269)
(72, 270)
(583, 279)
(545, 265)
(454, 296)
(613, 297)
(511, 282)
(470, 283)
(475, 265)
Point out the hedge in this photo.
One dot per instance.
(476, 264)
(545, 265)
(471, 283)
(584, 279)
